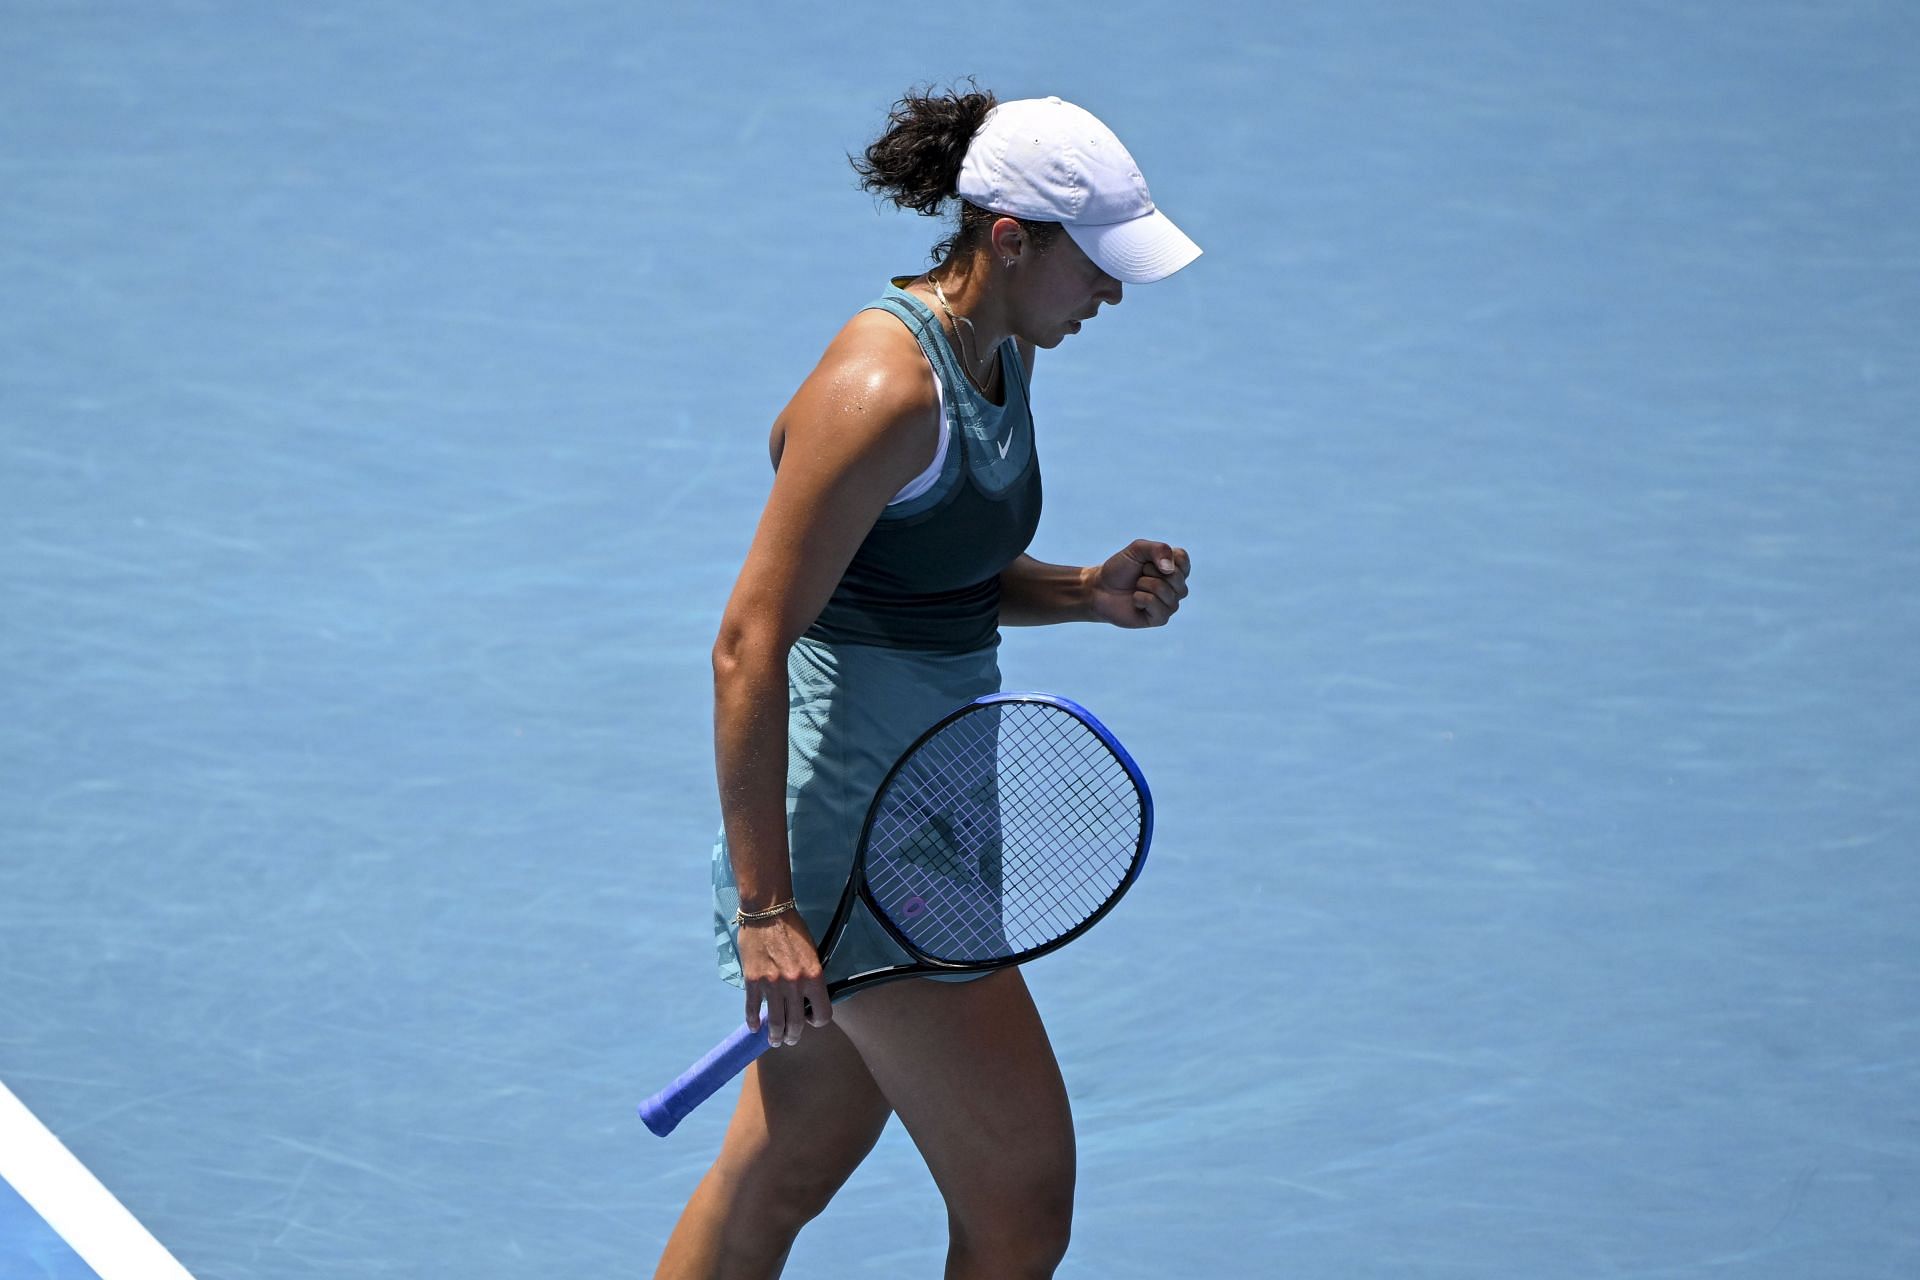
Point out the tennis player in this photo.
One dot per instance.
(891, 550)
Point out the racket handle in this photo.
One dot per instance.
(667, 1108)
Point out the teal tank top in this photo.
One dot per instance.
(927, 576)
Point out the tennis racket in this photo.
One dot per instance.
(1005, 831)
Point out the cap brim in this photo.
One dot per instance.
(1139, 250)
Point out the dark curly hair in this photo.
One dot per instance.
(915, 163)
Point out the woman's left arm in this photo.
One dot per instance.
(1140, 585)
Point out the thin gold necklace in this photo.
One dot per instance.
(969, 339)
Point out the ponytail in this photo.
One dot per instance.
(916, 162)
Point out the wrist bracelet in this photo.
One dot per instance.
(761, 917)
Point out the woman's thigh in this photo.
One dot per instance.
(969, 1070)
(807, 1113)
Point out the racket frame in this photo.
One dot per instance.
(664, 1111)
(859, 891)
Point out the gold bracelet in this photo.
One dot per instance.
(761, 917)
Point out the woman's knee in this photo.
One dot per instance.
(800, 1131)
(1020, 1219)
(788, 1195)
(782, 1186)
(970, 1072)
(1021, 1231)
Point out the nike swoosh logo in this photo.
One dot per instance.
(1006, 444)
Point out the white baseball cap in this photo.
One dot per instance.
(1051, 161)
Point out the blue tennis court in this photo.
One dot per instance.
(383, 405)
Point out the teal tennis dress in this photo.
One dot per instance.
(911, 632)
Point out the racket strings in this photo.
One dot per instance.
(1002, 833)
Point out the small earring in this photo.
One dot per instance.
(1007, 262)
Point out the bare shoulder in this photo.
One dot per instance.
(875, 356)
(872, 384)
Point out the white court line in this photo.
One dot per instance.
(96, 1226)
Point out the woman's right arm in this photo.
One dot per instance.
(860, 427)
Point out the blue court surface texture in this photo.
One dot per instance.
(383, 402)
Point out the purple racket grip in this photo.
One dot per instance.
(667, 1108)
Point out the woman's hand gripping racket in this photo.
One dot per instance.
(1004, 832)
